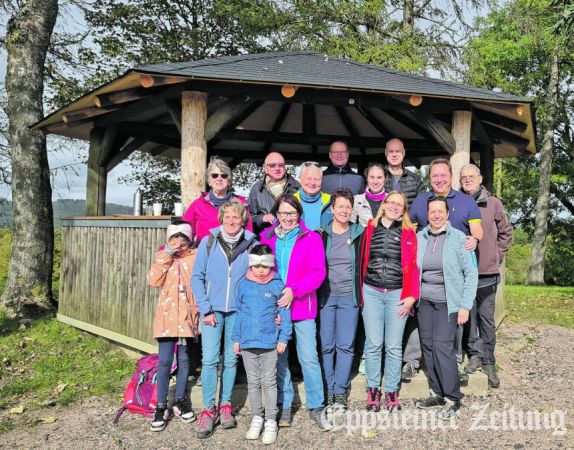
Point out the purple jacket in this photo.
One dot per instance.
(306, 270)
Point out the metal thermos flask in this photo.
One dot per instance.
(138, 203)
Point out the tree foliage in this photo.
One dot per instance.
(513, 50)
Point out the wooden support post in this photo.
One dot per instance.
(193, 145)
(101, 141)
(487, 167)
(461, 125)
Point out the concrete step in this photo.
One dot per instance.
(416, 388)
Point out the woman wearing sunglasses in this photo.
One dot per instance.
(202, 213)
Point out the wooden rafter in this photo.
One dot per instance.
(232, 122)
(349, 125)
(309, 125)
(285, 108)
(375, 122)
(436, 128)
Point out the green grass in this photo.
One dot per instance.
(50, 363)
(542, 304)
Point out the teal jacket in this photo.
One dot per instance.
(356, 231)
(459, 267)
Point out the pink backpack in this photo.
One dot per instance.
(140, 396)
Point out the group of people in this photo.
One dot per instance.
(304, 261)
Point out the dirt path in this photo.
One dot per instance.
(534, 408)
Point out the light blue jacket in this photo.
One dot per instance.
(459, 267)
(257, 308)
(214, 278)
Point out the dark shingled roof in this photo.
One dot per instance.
(314, 69)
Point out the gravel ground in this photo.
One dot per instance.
(537, 363)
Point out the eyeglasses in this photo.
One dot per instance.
(468, 178)
(215, 176)
(397, 204)
(275, 165)
(286, 214)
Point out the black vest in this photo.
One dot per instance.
(384, 269)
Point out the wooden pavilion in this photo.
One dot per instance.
(240, 108)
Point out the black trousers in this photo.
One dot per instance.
(437, 329)
(482, 329)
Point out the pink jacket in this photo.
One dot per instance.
(202, 216)
(306, 270)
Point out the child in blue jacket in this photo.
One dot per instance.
(258, 338)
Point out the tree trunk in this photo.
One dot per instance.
(536, 269)
(29, 283)
(408, 16)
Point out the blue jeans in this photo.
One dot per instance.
(337, 326)
(383, 326)
(211, 344)
(166, 347)
(305, 332)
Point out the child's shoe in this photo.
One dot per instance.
(226, 416)
(182, 410)
(207, 421)
(159, 419)
(270, 432)
(255, 428)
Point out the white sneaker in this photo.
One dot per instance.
(255, 428)
(270, 432)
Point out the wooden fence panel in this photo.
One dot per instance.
(103, 287)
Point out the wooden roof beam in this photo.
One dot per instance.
(351, 129)
(502, 121)
(124, 152)
(436, 129)
(319, 139)
(501, 134)
(375, 122)
(278, 123)
(225, 121)
(309, 125)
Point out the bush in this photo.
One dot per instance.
(518, 258)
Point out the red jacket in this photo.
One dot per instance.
(411, 274)
(202, 216)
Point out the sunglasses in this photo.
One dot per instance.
(275, 165)
(215, 176)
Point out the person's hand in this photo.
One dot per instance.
(281, 347)
(462, 316)
(278, 319)
(471, 243)
(406, 306)
(237, 348)
(268, 218)
(286, 299)
(210, 320)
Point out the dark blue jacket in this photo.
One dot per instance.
(255, 325)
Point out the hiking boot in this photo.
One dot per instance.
(227, 416)
(285, 418)
(340, 402)
(330, 400)
(474, 364)
(207, 420)
(409, 372)
(182, 410)
(392, 401)
(493, 380)
(320, 418)
(255, 428)
(269, 433)
(160, 417)
(462, 375)
(449, 410)
(432, 401)
(373, 399)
